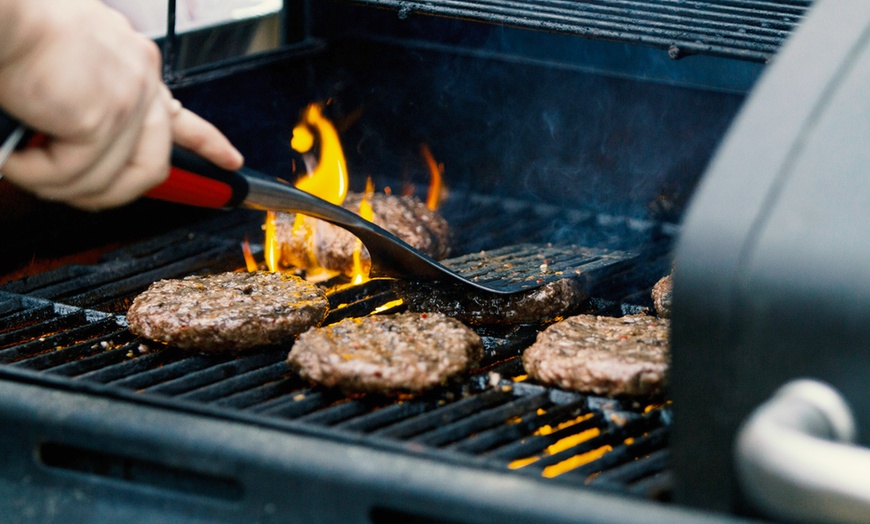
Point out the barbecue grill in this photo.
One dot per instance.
(560, 124)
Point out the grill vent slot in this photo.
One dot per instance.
(132, 470)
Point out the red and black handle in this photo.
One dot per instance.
(192, 179)
(195, 181)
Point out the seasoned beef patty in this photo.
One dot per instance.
(542, 304)
(228, 311)
(661, 295)
(387, 353)
(406, 217)
(608, 356)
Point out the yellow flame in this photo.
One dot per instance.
(436, 172)
(388, 306)
(271, 248)
(361, 274)
(328, 180)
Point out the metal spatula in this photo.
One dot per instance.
(195, 181)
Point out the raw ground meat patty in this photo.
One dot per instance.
(542, 304)
(228, 311)
(406, 217)
(387, 353)
(608, 356)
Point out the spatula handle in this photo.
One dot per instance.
(195, 181)
(192, 179)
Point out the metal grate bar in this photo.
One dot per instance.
(627, 453)
(95, 346)
(30, 324)
(445, 415)
(752, 30)
(632, 471)
(197, 372)
(99, 369)
(609, 435)
(485, 440)
(341, 412)
(538, 443)
(62, 332)
(481, 420)
(387, 415)
(297, 405)
(261, 393)
(155, 266)
(238, 383)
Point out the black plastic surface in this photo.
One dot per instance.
(772, 279)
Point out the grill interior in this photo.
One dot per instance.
(66, 328)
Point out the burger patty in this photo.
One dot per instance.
(387, 353)
(228, 311)
(608, 356)
(406, 217)
(543, 304)
(661, 296)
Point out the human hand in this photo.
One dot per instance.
(77, 72)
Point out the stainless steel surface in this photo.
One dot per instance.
(795, 460)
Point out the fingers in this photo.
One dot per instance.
(88, 175)
(136, 160)
(146, 167)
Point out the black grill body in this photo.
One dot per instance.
(770, 286)
(581, 123)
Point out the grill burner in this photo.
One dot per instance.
(65, 328)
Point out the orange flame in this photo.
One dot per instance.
(326, 178)
(250, 262)
(361, 274)
(436, 172)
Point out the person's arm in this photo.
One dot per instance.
(76, 71)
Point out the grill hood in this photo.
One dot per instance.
(772, 280)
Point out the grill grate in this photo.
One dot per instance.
(746, 29)
(67, 327)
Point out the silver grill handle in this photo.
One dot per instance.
(795, 460)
